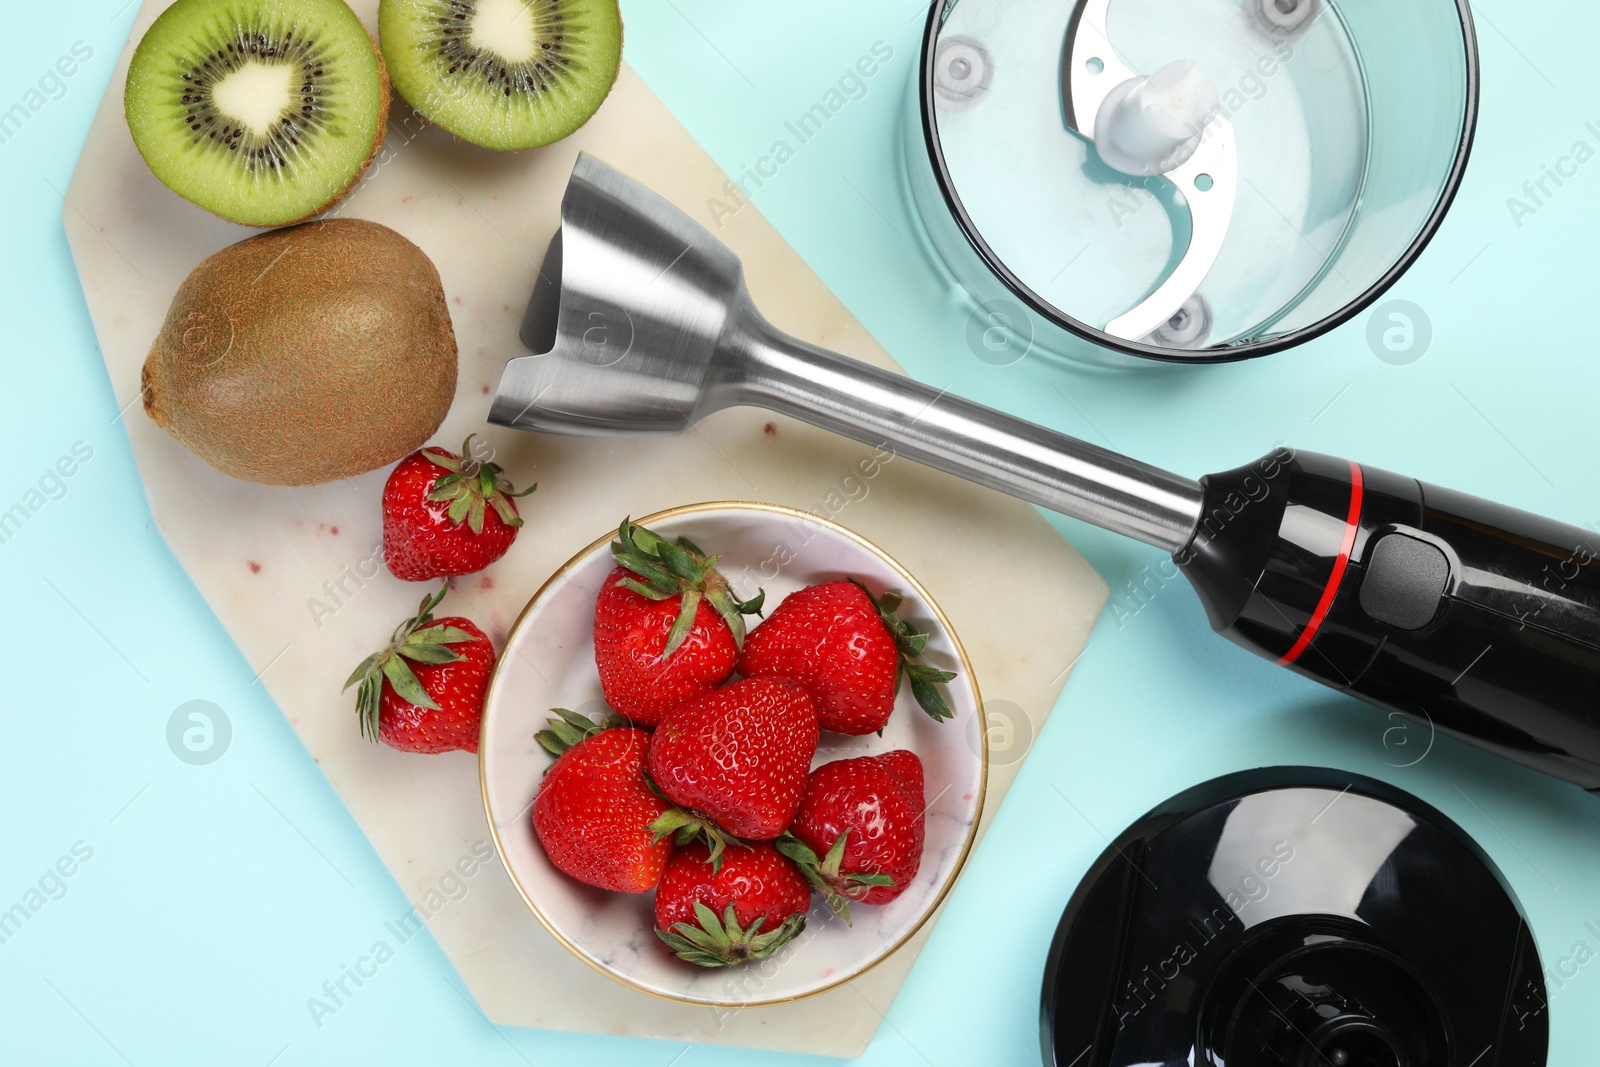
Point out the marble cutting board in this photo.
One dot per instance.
(296, 575)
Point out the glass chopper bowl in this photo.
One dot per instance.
(1187, 181)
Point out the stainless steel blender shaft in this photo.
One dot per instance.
(641, 326)
(774, 371)
(1448, 610)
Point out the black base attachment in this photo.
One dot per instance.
(1294, 917)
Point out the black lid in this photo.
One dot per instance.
(1294, 917)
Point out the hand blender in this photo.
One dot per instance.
(1481, 619)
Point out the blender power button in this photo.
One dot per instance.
(1405, 579)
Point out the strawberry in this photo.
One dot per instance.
(749, 909)
(848, 650)
(424, 692)
(667, 630)
(444, 515)
(734, 762)
(865, 818)
(594, 808)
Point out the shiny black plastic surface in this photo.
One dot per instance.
(1294, 916)
(1509, 659)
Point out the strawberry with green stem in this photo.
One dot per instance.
(594, 807)
(850, 651)
(734, 762)
(746, 909)
(424, 691)
(858, 833)
(826, 875)
(446, 514)
(667, 627)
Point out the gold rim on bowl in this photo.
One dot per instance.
(927, 600)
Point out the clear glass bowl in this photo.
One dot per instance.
(1353, 131)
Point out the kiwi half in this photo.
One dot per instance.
(505, 74)
(262, 111)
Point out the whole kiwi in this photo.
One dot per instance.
(305, 355)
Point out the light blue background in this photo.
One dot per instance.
(219, 898)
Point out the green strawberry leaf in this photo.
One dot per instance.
(680, 563)
(925, 688)
(423, 652)
(363, 670)
(711, 924)
(439, 459)
(731, 610)
(440, 634)
(447, 488)
(813, 869)
(702, 941)
(628, 535)
(570, 728)
(650, 783)
(773, 940)
(426, 609)
(646, 568)
(839, 904)
(798, 851)
(718, 941)
(502, 507)
(405, 684)
(835, 857)
(912, 643)
(661, 569)
(369, 705)
(671, 822)
(690, 954)
(643, 590)
(870, 879)
(682, 624)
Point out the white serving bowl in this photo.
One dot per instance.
(548, 662)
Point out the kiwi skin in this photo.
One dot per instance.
(305, 355)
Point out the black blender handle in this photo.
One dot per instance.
(1477, 619)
